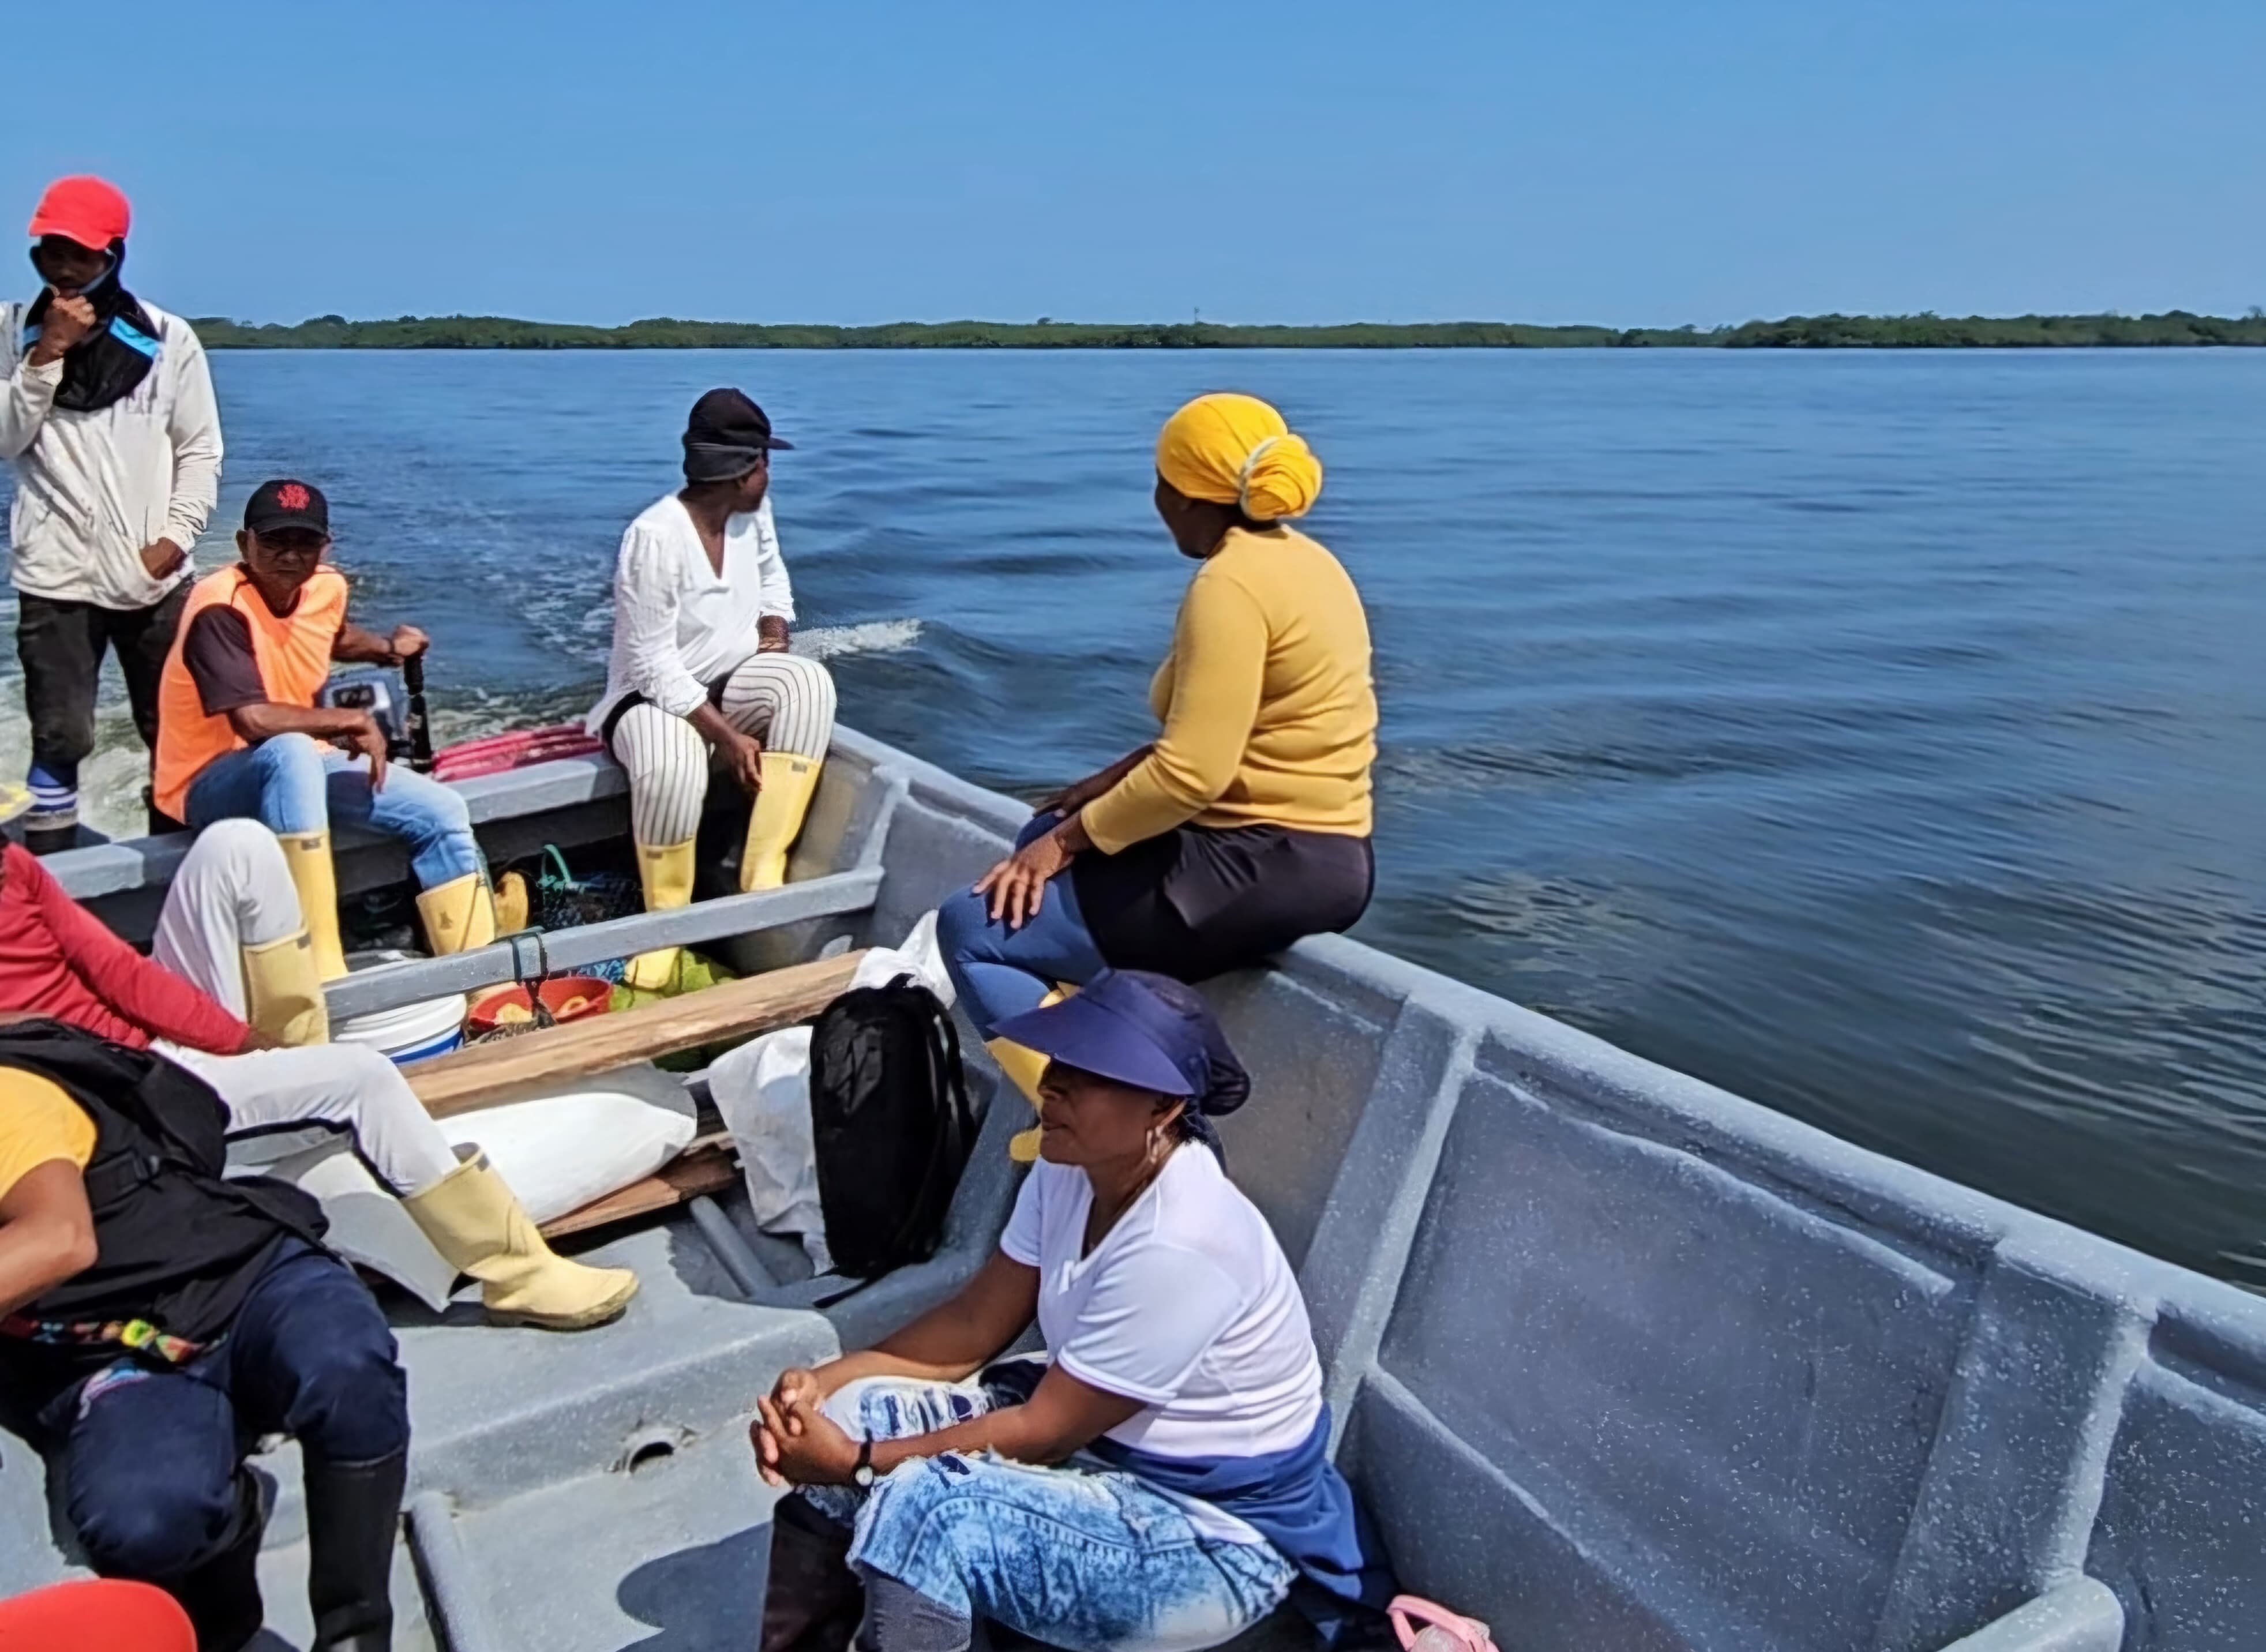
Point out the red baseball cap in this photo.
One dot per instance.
(87, 210)
(102, 1614)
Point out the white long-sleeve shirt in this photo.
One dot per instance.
(93, 488)
(678, 625)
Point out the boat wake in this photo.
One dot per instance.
(111, 780)
(872, 636)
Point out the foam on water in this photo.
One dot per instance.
(875, 636)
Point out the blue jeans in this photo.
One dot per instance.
(999, 972)
(297, 784)
(1090, 1559)
(150, 1456)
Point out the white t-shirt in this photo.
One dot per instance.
(1187, 1304)
(678, 625)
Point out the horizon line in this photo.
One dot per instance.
(1924, 330)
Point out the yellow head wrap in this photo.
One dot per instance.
(1236, 450)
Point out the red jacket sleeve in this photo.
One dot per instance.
(148, 994)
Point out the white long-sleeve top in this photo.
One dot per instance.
(678, 625)
(93, 488)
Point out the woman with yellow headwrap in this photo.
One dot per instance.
(1246, 823)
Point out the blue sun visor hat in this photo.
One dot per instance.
(1138, 1028)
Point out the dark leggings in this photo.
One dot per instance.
(60, 646)
(1199, 901)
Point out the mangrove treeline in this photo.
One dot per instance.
(1818, 333)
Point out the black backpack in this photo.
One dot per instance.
(890, 1119)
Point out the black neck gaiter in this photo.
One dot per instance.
(111, 361)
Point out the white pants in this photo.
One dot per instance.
(234, 891)
(786, 700)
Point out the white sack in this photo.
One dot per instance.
(561, 1152)
(762, 1090)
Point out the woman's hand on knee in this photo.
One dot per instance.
(1017, 886)
(798, 1388)
(800, 1445)
(797, 1393)
(767, 1453)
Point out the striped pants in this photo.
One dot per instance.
(785, 700)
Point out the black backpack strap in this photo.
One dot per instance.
(956, 1076)
(113, 1176)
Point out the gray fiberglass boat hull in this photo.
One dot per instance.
(1620, 1360)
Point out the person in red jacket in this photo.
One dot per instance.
(58, 962)
(230, 943)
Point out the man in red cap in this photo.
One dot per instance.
(107, 407)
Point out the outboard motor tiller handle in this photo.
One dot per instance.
(420, 728)
(398, 711)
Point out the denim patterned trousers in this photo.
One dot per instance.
(1090, 1559)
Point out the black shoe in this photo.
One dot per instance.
(42, 836)
(813, 1601)
(222, 1596)
(353, 1515)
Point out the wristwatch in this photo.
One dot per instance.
(862, 1476)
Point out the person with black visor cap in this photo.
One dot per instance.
(107, 409)
(701, 677)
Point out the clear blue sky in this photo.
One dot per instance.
(1706, 161)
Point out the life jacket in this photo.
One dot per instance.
(178, 1246)
(294, 654)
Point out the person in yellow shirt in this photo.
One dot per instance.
(158, 1318)
(1246, 824)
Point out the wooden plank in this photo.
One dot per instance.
(708, 1166)
(487, 1073)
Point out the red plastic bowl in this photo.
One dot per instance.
(558, 993)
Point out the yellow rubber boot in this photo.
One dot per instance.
(511, 903)
(789, 782)
(459, 914)
(1024, 1068)
(307, 856)
(666, 873)
(282, 993)
(477, 1224)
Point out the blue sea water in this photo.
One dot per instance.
(1880, 735)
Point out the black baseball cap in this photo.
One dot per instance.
(725, 436)
(281, 505)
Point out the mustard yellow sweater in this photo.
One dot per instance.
(1270, 716)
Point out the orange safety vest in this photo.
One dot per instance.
(293, 651)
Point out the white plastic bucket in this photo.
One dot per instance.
(414, 1032)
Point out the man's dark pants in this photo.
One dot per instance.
(149, 1459)
(61, 646)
